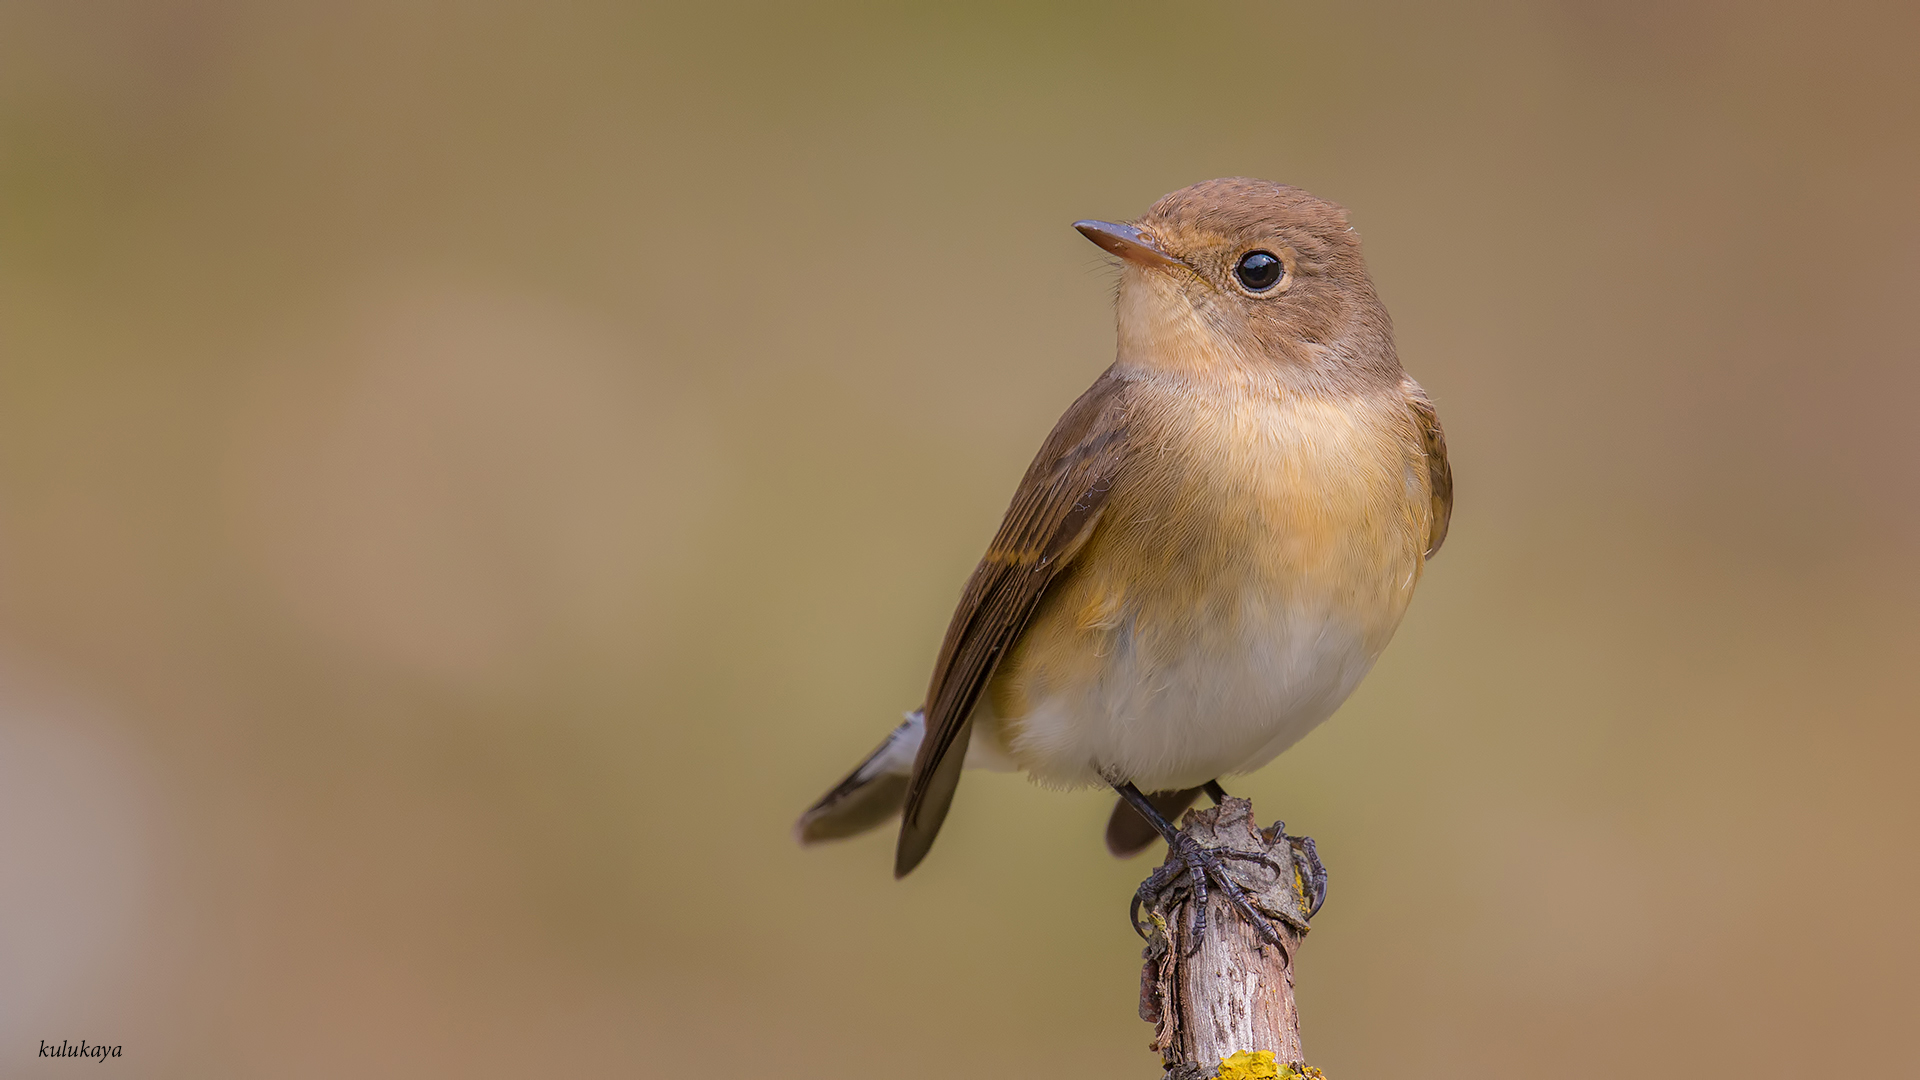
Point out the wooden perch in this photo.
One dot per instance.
(1226, 1009)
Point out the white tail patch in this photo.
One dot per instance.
(872, 793)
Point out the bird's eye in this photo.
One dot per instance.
(1259, 271)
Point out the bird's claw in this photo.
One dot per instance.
(1202, 866)
(1305, 854)
(1306, 858)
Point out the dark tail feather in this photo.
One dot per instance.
(1129, 834)
(920, 822)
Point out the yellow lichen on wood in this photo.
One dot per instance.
(1249, 1065)
(1260, 1065)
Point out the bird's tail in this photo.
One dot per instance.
(872, 793)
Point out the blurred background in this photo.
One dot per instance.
(471, 473)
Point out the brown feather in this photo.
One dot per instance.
(1439, 471)
(1054, 511)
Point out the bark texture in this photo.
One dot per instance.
(1233, 994)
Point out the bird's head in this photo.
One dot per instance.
(1248, 276)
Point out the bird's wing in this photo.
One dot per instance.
(1055, 510)
(1439, 473)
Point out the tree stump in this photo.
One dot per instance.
(1226, 1008)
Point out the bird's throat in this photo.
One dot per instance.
(1161, 332)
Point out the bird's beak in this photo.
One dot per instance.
(1127, 242)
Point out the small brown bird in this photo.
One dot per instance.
(1211, 549)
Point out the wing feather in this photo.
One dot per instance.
(1056, 508)
(1439, 471)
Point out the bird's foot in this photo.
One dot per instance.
(1312, 870)
(1194, 869)
(1306, 863)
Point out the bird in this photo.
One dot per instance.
(1210, 550)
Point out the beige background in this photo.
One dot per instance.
(470, 473)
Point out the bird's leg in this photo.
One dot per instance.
(1214, 791)
(1200, 865)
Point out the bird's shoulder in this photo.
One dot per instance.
(1070, 476)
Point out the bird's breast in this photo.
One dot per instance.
(1253, 560)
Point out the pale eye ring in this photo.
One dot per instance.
(1259, 271)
